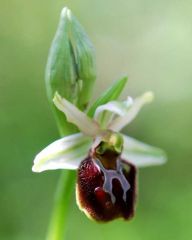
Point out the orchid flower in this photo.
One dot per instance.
(105, 159)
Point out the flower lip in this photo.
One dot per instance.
(106, 194)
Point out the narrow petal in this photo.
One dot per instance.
(120, 122)
(65, 153)
(112, 93)
(141, 154)
(85, 124)
(105, 113)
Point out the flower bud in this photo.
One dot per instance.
(71, 64)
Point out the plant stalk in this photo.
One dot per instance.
(58, 224)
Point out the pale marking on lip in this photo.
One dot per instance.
(109, 175)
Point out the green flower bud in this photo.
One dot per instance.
(71, 66)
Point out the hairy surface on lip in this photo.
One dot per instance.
(93, 197)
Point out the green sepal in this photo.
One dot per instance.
(84, 55)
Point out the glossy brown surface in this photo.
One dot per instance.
(105, 202)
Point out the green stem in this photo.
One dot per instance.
(58, 224)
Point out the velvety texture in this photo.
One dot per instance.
(95, 198)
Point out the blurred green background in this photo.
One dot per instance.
(149, 40)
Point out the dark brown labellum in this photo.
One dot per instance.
(106, 188)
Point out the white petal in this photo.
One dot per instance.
(65, 153)
(85, 124)
(120, 122)
(141, 154)
(105, 113)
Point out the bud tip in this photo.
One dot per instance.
(66, 13)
